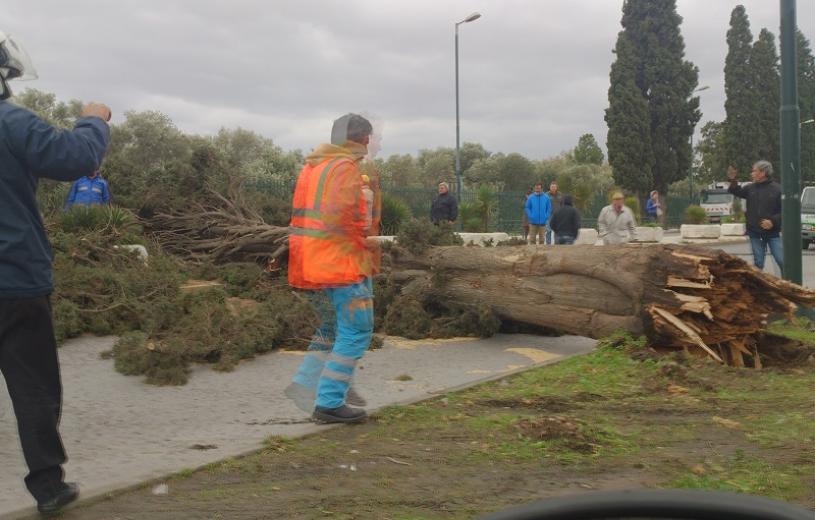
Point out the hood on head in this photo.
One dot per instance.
(324, 152)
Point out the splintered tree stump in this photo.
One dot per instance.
(678, 296)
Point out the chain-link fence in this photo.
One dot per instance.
(506, 210)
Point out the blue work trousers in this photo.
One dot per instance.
(344, 334)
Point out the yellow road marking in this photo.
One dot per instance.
(537, 356)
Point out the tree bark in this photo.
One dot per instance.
(677, 296)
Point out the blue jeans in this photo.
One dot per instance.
(550, 236)
(566, 240)
(759, 244)
(344, 334)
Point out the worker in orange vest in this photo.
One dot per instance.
(330, 256)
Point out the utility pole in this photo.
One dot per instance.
(790, 146)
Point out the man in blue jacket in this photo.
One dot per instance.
(31, 149)
(90, 190)
(538, 208)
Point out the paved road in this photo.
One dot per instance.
(743, 250)
(119, 431)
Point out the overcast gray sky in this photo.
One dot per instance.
(534, 73)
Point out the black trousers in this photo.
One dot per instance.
(28, 361)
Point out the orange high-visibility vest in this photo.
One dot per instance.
(327, 236)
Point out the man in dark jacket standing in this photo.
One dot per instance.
(763, 213)
(445, 207)
(565, 222)
(31, 149)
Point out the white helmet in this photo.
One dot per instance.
(14, 63)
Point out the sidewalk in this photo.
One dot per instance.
(120, 432)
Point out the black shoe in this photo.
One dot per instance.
(354, 399)
(68, 494)
(342, 414)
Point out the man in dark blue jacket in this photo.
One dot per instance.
(31, 149)
(538, 209)
(90, 190)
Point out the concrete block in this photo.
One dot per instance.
(477, 238)
(649, 234)
(700, 231)
(480, 238)
(733, 230)
(587, 236)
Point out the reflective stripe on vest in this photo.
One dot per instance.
(314, 213)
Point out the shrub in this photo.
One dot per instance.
(476, 215)
(81, 219)
(512, 241)
(395, 212)
(417, 236)
(695, 215)
(633, 204)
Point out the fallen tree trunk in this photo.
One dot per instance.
(682, 297)
(678, 296)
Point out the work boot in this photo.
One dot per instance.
(302, 396)
(341, 414)
(354, 399)
(65, 496)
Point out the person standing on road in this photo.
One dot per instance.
(330, 256)
(555, 198)
(565, 223)
(763, 214)
(444, 207)
(538, 208)
(31, 149)
(616, 223)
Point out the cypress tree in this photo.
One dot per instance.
(649, 146)
(765, 81)
(628, 119)
(739, 126)
(806, 97)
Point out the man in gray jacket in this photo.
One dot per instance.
(616, 222)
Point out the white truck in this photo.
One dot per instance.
(717, 202)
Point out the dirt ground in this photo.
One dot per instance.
(597, 422)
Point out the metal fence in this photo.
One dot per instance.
(508, 207)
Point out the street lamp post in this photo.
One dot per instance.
(471, 18)
(692, 155)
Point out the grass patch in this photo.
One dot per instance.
(799, 329)
(754, 476)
